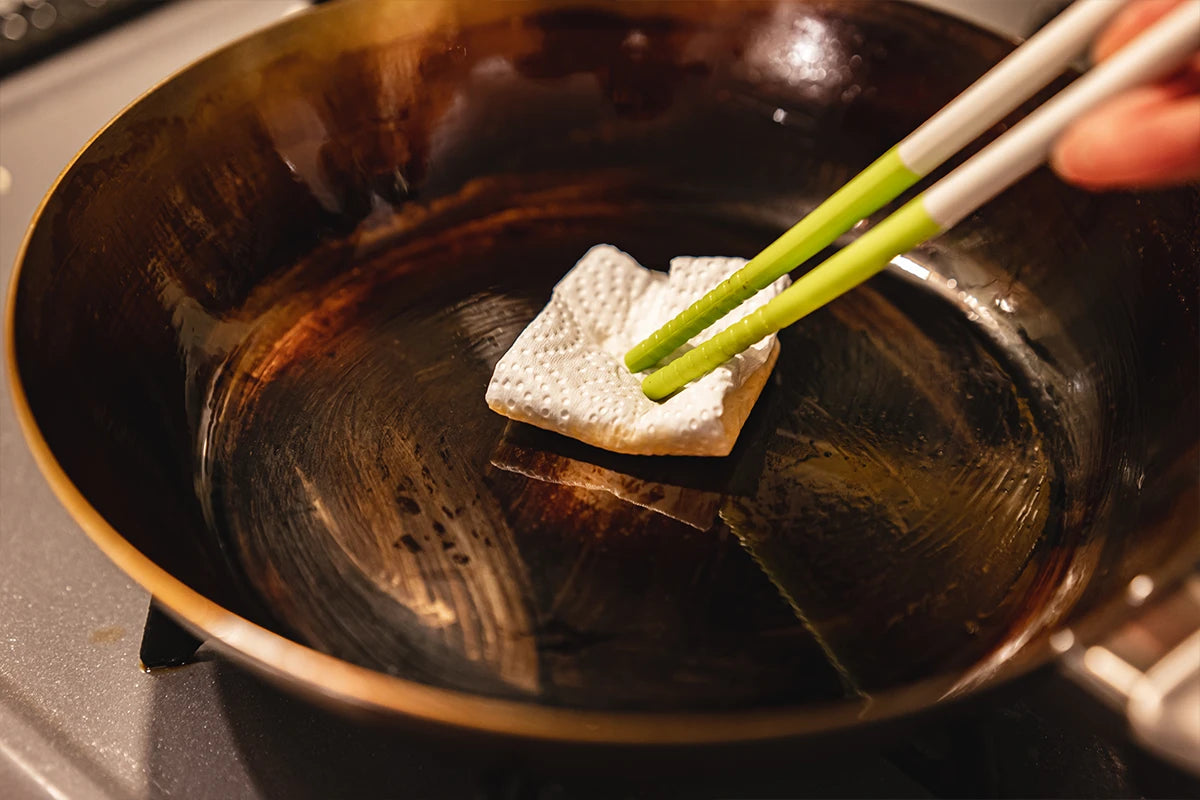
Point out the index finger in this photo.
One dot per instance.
(1129, 22)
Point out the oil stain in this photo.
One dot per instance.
(107, 635)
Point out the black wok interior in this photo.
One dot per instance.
(256, 319)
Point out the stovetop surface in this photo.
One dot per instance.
(78, 719)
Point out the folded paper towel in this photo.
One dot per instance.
(565, 372)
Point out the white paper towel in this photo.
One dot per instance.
(566, 372)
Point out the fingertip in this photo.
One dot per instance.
(1060, 162)
(1131, 143)
(1070, 158)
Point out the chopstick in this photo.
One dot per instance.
(1024, 71)
(1153, 54)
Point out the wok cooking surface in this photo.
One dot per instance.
(883, 517)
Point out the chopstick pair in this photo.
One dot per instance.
(1156, 52)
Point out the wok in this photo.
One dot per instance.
(252, 324)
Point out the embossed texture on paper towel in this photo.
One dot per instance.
(565, 371)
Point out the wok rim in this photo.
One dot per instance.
(323, 677)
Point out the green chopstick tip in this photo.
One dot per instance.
(656, 389)
(879, 183)
(633, 360)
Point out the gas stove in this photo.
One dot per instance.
(80, 719)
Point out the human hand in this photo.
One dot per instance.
(1145, 137)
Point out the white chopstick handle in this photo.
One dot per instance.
(1005, 86)
(1152, 55)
